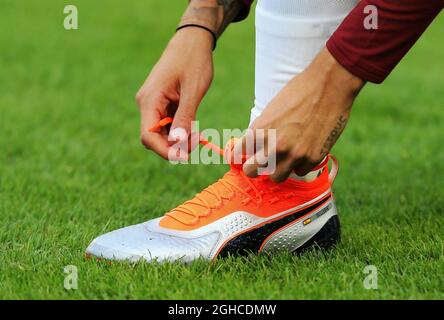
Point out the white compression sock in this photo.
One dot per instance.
(289, 34)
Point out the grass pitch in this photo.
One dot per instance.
(72, 168)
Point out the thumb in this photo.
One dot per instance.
(185, 114)
(244, 148)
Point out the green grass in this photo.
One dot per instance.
(72, 168)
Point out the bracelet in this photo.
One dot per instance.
(202, 27)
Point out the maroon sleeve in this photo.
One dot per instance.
(372, 54)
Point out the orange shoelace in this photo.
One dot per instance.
(227, 187)
(202, 141)
(213, 196)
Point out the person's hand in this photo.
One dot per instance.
(175, 88)
(309, 114)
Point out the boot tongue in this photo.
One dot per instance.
(199, 205)
(224, 190)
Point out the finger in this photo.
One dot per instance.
(179, 152)
(243, 149)
(194, 141)
(304, 167)
(253, 165)
(185, 114)
(284, 168)
(156, 141)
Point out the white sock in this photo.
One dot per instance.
(289, 34)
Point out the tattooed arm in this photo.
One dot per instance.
(309, 114)
(183, 74)
(213, 14)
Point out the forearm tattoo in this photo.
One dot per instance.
(231, 9)
(213, 14)
(334, 134)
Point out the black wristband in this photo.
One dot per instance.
(202, 27)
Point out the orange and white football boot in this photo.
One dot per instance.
(235, 215)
